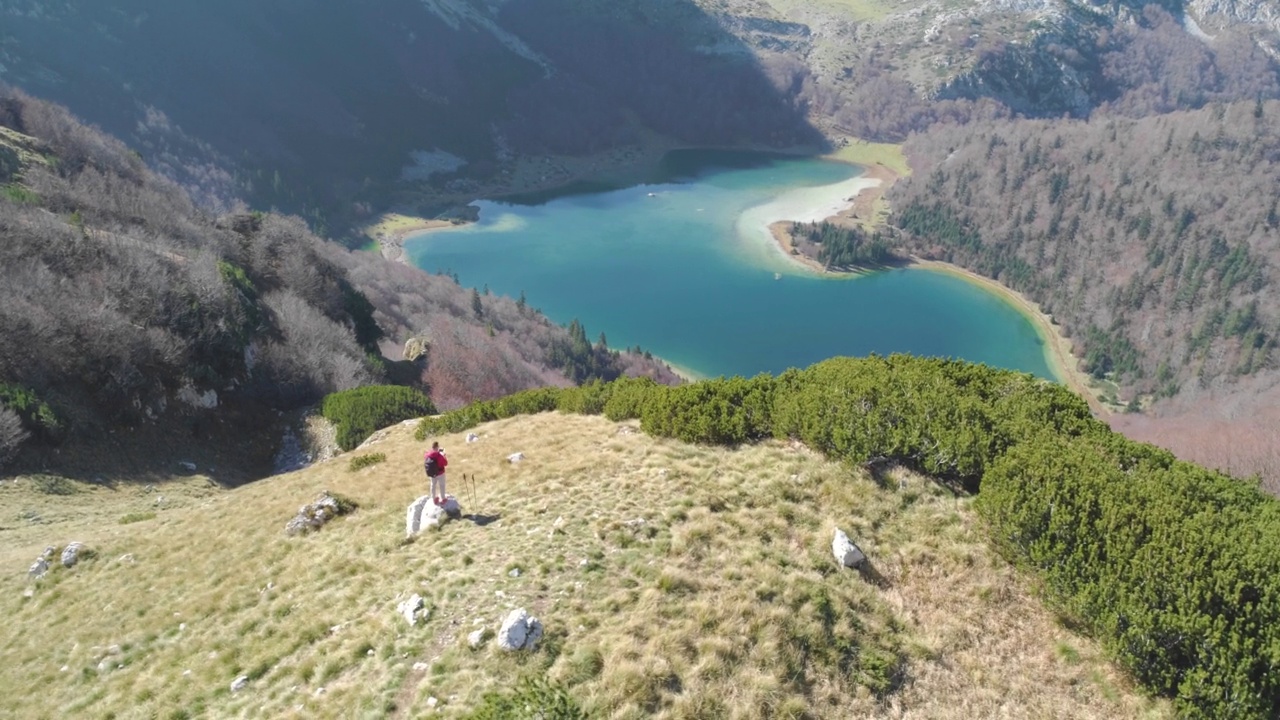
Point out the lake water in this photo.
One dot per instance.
(686, 268)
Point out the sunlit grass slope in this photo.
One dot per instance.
(673, 581)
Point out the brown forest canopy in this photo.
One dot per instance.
(1154, 241)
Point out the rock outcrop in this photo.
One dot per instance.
(519, 632)
(416, 348)
(846, 552)
(424, 514)
(314, 516)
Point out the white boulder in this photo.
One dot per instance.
(519, 632)
(71, 554)
(515, 457)
(240, 683)
(472, 437)
(39, 568)
(413, 609)
(424, 514)
(845, 551)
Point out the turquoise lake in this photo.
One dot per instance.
(684, 266)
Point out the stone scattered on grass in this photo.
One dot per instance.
(72, 553)
(845, 551)
(519, 632)
(313, 516)
(240, 683)
(478, 638)
(515, 457)
(413, 610)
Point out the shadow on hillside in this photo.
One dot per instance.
(873, 576)
(482, 520)
(235, 447)
(320, 104)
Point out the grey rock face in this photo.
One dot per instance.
(38, 568)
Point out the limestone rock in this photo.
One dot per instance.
(423, 514)
(477, 638)
(472, 437)
(416, 347)
(519, 632)
(38, 568)
(515, 457)
(845, 551)
(240, 683)
(71, 554)
(326, 507)
(414, 609)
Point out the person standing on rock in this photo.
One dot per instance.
(435, 463)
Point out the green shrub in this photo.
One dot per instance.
(723, 411)
(36, 415)
(525, 402)
(532, 698)
(134, 517)
(360, 412)
(361, 462)
(20, 194)
(1174, 567)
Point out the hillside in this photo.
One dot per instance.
(137, 330)
(324, 110)
(683, 581)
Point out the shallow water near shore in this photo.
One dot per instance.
(685, 267)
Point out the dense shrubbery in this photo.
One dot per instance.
(1173, 566)
(360, 412)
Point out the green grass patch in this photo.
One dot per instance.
(136, 517)
(861, 152)
(20, 194)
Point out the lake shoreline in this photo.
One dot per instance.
(1062, 362)
(1058, 347)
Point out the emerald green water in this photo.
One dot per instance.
(685, 267)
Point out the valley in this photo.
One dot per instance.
(259, 255)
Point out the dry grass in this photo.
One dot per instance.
(681, 582)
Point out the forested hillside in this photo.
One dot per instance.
(123, 305)
(1154, 241)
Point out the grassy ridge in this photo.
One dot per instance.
(1174, 567)
(683, 581)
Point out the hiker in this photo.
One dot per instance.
(435, 463)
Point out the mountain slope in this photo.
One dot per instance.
(683, 581)
(317, 109)
(134, 321)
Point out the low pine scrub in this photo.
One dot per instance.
(1174, 567)
(360, 412)
(361, 462)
